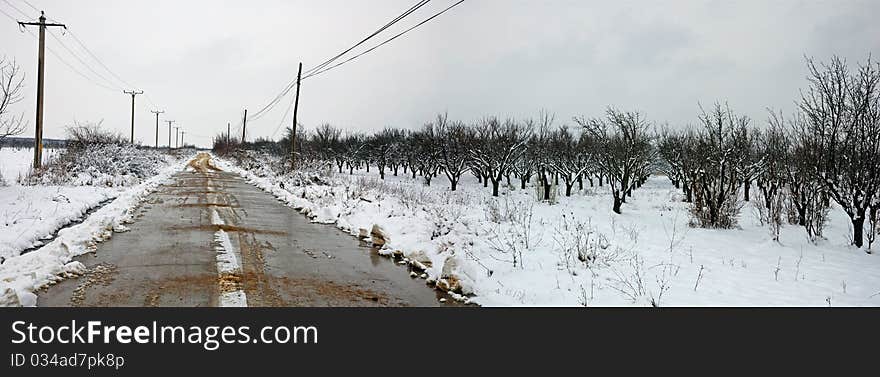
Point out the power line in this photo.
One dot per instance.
(386, 41)
(15, 7)
(292, 84)
(71, 67)
(389, 24)
(88, 66)
(8, 15)
(87, 50)
(31, 5)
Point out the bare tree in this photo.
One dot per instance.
(11, 87)
(718, 168)
(842, 123)
(497, 147)
(454, 140)
(624, 153)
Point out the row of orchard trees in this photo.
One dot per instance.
(616, 149)
(828, 151)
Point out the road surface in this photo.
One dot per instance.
(209, 238)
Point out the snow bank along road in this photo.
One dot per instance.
(209, 238)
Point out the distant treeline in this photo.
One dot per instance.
(28, 142)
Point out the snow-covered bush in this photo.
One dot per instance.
(96, 157)
(580, 243)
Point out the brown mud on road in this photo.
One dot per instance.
(209, 233)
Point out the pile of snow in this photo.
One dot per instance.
(29, 215)
(513, 250)
(109, 165)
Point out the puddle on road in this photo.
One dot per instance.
(226, 228)
(205, 205)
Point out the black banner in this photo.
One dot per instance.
(118, 341)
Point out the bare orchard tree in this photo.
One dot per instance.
(383, 147)
(842, 123)
(353, 148)
(568, 157)
(327, 144)
(771, 147)
(752, 163)
(426, 146)
(718, 168)
(624, 151)
(11, 87)
(454, 140)
(497, 146)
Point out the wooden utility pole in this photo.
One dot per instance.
(41, 65)
(295, 108)
(176, 137)
(169, 132)
(243, 126)
(133, 93)
(157, 125)
(182, 134)
(228, 130)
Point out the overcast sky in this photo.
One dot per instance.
(205, 61)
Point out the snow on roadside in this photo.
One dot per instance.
(21, 276)
(31, 214)
(467, 241)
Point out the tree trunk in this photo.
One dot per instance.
(747, 185)
(568, 187)
(802, 215)
(495, 184)
(523, 180)
(454, 184)
(617, 204)
(581, 182)
(382, 173)
(858, 228)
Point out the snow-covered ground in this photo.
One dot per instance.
(16, 162)
(34, 215)
(648, 255)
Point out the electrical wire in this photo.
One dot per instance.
(385, 42)
(94, 56)
(88, 66)
(16, 8)
(386, 26)
(30, 5)
(292, 83)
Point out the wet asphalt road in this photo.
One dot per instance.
(170, 255)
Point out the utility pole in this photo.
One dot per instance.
(41, 65)
(182, 134)
(133, 93)
(169, 132)
(295, 108)
(157, 125)
(176, 136)
(228, 130)
(243, 126)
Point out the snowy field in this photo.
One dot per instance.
(37, 219)
(467, 240)
(16, 162)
